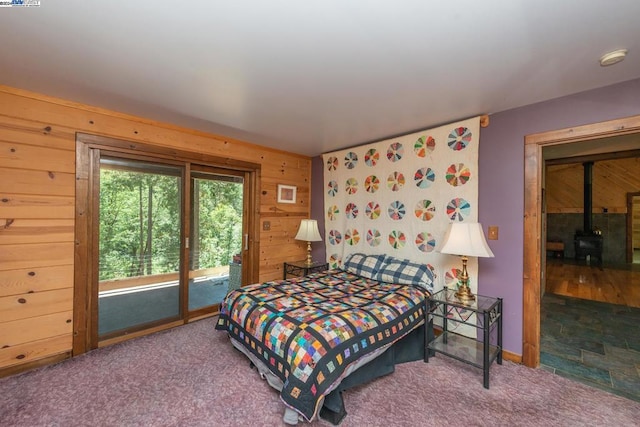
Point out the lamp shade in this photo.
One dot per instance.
(308, 231)
(466, 239)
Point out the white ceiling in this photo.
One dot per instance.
(317, 75)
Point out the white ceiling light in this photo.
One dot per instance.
(613, 57)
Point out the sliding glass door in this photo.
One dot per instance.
(161, 236)
(140, 223)
(144, 209)
(216, 238)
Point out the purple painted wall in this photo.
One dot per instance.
(317, 206)
(501, 185)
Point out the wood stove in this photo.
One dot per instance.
(588, 245)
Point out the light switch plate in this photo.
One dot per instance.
(493, 232)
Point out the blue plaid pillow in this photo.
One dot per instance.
(364, 265)
(405, 272)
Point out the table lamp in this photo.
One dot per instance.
(465, 239)
(308, 231)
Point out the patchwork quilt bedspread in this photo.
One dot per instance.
(309, 330)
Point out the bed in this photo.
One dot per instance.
(315, 336)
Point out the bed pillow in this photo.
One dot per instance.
(405, 272)
(364, 265)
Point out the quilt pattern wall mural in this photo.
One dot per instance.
(397, 197)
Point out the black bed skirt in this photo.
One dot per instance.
(408, 349)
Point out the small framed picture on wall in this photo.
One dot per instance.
(286, 193)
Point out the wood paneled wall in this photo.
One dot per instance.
(612, 180)
(37, 185)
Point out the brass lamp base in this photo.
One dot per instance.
(309, 261)
(464, 293)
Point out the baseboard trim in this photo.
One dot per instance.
(17, 369)
(512, 357)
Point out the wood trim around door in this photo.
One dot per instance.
(629, 233)
(533, 177)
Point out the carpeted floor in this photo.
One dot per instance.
(592, 342)
(192, 376)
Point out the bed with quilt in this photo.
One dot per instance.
(313, 337)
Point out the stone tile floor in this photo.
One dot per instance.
(592, 342)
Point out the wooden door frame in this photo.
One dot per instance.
(630, 197)
(533, 178)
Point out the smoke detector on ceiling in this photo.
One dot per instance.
(613, 57)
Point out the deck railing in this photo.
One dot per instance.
(155, 279)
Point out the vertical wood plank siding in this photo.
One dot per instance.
(37, 210)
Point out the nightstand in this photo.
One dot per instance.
(301, 268)
(484, 314)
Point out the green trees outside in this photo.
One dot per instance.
(217, 222)
(140, 220)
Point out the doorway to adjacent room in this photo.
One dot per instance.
(594, 136)
(588, 311)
